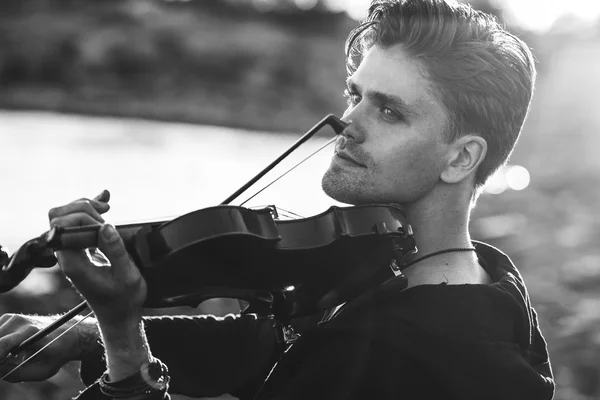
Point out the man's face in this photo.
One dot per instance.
(395, 135)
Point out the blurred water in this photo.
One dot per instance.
(153, 169)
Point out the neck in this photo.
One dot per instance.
(439, 225)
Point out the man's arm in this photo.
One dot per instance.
(207, 356)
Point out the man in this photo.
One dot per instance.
(437, 95)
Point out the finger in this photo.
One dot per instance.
(75, 219)
(100, 206)
(12, 340)
(103, 197)
(74, 263)
(87, 277)
(33, 370)
(10, 323)
(100, 202)
(92, 207)
(6, 322)
(9, 363)
(93, 283)
(111, 244)
(72, 260)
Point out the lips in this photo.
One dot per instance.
(345, 156)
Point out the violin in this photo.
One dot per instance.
(308, 264)
(281, 268)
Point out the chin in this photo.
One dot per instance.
(342, 188)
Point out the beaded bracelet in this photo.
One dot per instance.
(152, 381)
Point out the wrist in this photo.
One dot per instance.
(150, 382)
(109, 319)
(126, 347)
(114, 327)
(124, 365)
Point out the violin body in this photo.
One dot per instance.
(306, 265)
(289, 267)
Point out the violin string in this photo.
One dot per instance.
(281, 211)
(289, 170)
(45, 346)
(288, 213)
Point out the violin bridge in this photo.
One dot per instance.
(274, 212)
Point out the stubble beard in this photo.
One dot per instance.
(342, 187)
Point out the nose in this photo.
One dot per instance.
(353, 131)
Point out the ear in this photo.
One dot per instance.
(464, 156)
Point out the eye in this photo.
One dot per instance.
(352, 97)
(390, 114)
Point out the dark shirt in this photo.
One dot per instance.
(426, 342)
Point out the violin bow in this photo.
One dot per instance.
(334, 122)
(338, 126)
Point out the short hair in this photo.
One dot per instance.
(481, 74)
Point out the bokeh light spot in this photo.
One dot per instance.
(517, 177)
(496, 184)
(305, 4)
(356, 9)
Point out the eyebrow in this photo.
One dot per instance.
(384, 98)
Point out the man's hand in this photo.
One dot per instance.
(15, 328)
(115, 292)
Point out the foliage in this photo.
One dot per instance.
(159, 60)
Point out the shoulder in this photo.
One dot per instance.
(461, 312)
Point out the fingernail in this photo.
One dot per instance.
(101, 194)
(109, 233)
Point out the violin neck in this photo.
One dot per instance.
(74, 238)
(84, 237)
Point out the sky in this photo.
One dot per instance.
(535, 15)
